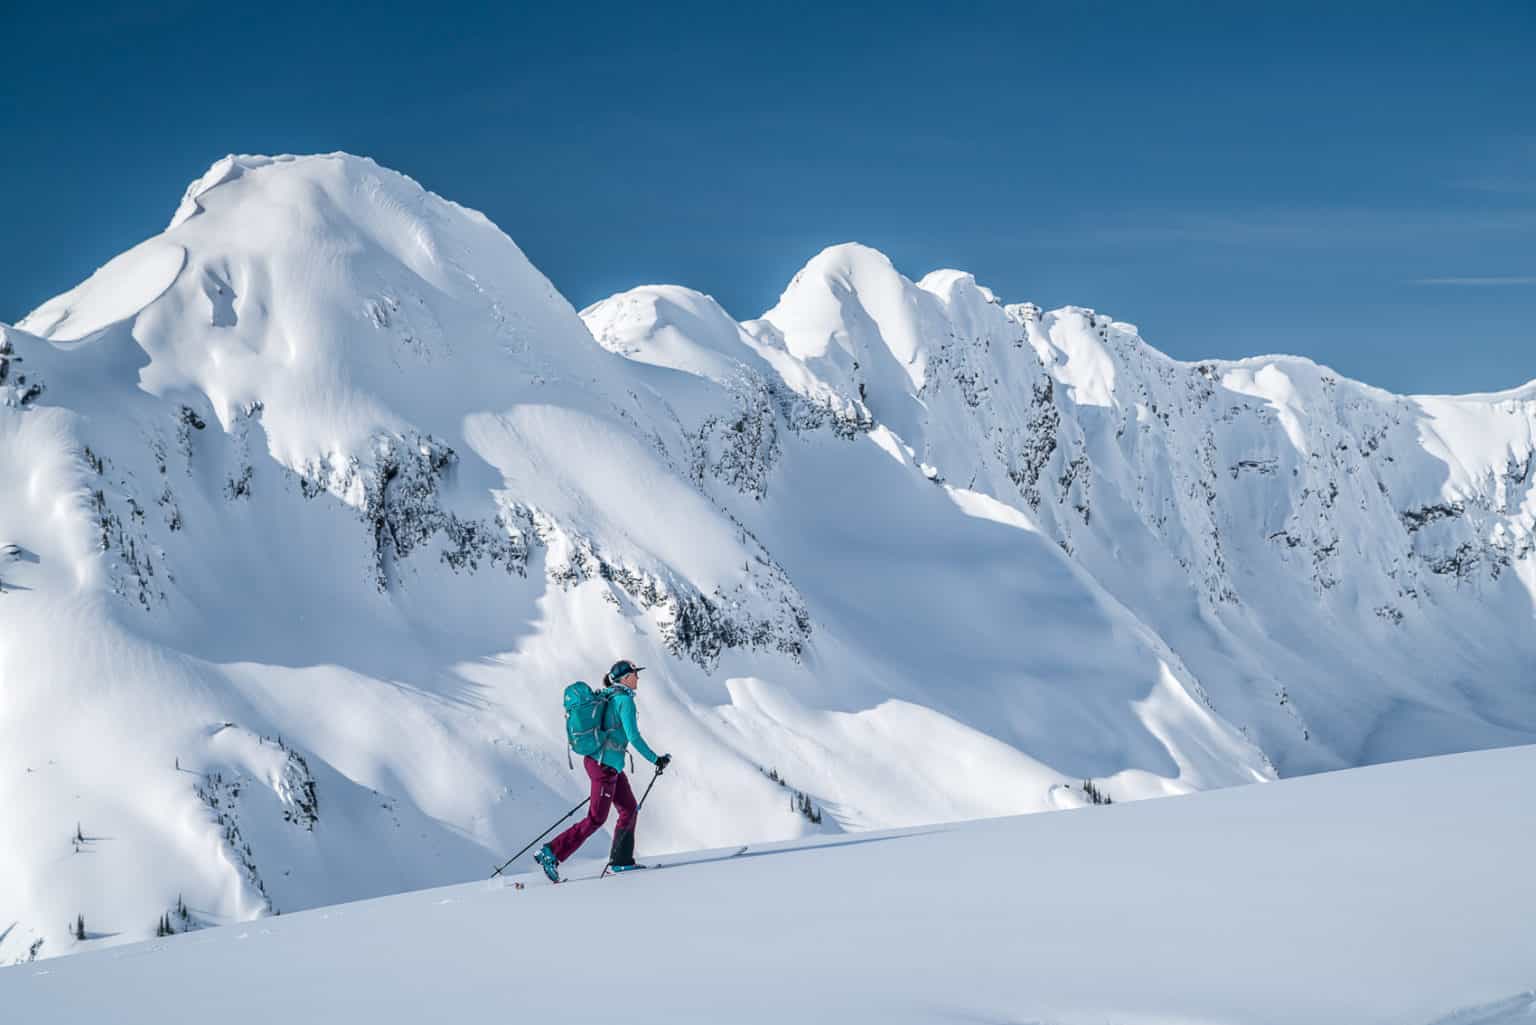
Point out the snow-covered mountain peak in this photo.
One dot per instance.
(313, 168)
(957, 287)
(223, 170)
(861, 327)
(311, 504)
(671, 326)
(338, 298)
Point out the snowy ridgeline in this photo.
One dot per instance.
(1391, 895)
(312, 504)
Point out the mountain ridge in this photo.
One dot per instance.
(309, 506)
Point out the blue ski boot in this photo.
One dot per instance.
(547, 861)
(624, 868)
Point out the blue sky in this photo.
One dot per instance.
(1354, 186)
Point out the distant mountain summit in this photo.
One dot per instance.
(312, 504)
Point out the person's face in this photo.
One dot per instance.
(631, 680)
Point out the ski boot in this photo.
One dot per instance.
(547, 861)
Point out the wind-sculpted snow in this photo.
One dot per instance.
(311, 506)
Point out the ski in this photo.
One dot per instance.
(738, 852)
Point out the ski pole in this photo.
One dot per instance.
(654, 777)
(546, 832)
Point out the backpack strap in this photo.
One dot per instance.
(608, 695)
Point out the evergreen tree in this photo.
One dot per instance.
(1095, 794)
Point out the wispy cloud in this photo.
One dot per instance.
(1481, 282)
(1304, 228)
(1510, 185)
(1508, 171)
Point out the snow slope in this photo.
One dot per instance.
(1348, 574)
(310, 505)
(1391, 895)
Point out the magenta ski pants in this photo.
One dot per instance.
(609, 787)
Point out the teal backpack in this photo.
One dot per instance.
(589, 729)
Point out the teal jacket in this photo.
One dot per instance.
(622, 707)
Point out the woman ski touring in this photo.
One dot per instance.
(615, 729)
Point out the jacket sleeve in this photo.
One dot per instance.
(632, 729)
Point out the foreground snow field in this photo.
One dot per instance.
(1398, 895)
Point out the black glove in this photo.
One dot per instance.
(663, 762)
